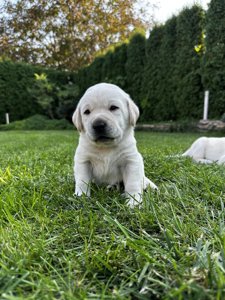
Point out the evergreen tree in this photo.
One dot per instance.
(107, 66)
(14, 97)
(134, 66)
(151, 83)
(189, 90)
(94, 74)
(166, 109)
(82, 79)
(26, 90)
(113, 69)
(119, 58)
(214, 60)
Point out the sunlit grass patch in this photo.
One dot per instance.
(57, 246)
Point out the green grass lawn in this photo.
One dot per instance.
(55, 246)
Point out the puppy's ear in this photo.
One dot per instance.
(77, 120)
(133, 112)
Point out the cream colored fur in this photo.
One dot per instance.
(207, 150)
(107, 154)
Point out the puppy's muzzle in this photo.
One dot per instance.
(99, 126)
(101, 131)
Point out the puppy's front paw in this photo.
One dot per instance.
(111, 187)
(79, 192)
(133, 200)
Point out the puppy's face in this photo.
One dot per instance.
(104, 114)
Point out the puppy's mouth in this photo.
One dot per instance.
(104, 139)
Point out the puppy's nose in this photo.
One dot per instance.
(99, 125)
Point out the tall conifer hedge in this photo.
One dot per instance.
(18, 96)
(187, 73)
(152, 75)
(14, 97)
(134, 66)
(214, 60)
(165, 74)
(166, 107)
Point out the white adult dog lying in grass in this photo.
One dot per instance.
(207, 150)
(107, 154)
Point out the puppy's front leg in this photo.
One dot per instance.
(83, 176)
(133, 179)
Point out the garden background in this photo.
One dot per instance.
(55, 245)
(166, 74)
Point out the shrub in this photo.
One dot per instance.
(152, 74)
(187, 74)
(214, 62)
(23, 95)
(134, 66)
(38, 122)
(14, 97)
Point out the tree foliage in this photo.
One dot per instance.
(189, 91)
(114, 66)
(172, 86)
(14, 97)
(26, 90)
(134, 66)
(165, 74)
(152, 74)
(66, 33)
(165, 109)
(52, 97)
(214, 60)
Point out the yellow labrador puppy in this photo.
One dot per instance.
(107, 154)
(207, 150)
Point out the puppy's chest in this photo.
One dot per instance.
(106, 170)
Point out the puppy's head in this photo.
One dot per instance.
(105, 113)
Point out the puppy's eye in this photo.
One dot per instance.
(87, 112)
(113, 108)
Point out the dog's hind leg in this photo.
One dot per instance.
(197, 150)
(221, 161)
(204, 161)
